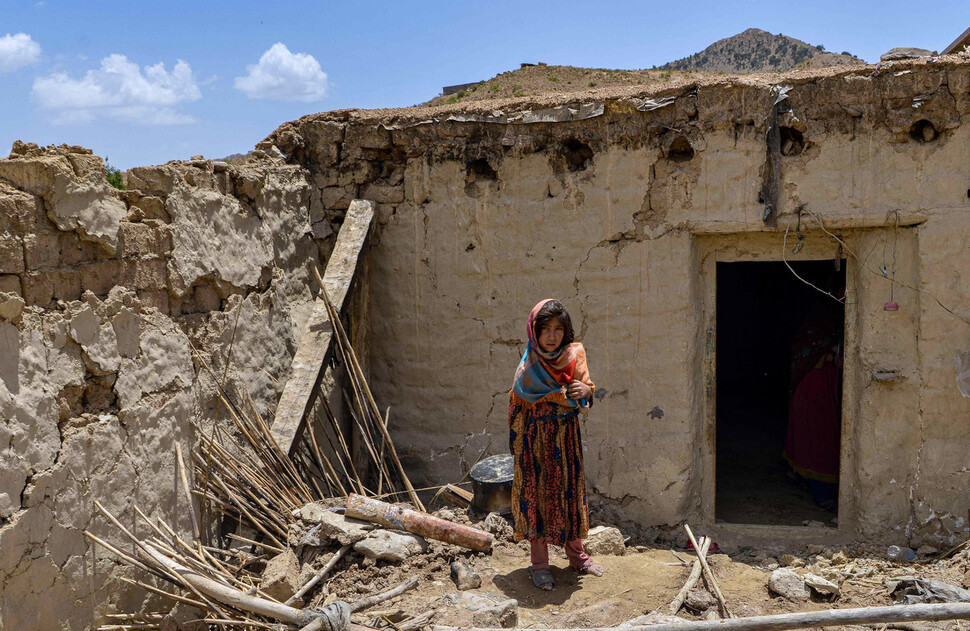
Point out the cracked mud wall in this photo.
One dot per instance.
(104, 295)
(479, 220)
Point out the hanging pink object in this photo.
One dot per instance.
(891, 306)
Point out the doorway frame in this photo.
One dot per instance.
(768, 247)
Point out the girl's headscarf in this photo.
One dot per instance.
(543, 376)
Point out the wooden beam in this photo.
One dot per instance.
(315, 351)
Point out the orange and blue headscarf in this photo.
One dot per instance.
(543, 376)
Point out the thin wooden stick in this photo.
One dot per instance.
(263, 545)
(708, 574)
(695, 573)
(320, 575)
(370, 397)
(374, 599)
(196, 531)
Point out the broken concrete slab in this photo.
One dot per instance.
(387, 545)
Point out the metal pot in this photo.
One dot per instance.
(492, 484)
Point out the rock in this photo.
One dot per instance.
(821, 585)
(445, 513)
(840, 558)
(497, 525)
(11, 306)
(700, 600)
(654, 617)
(789, 560)
(504, 614)
(906, 53)
(923, 550)
(388, 545)
(604, 540)
(711, 615)
(343, 529)
(463, 576)
(788, 584)
(281, 578)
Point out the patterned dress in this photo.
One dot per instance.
(549, 486)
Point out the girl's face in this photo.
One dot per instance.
(550, 335)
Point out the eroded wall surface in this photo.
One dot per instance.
(110, 301)
(482, 214)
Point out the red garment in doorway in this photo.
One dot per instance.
(814, 427)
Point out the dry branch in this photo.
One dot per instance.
(709, 575)
(803, 620)
(695, 573)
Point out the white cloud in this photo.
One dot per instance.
(284, 76)
(121, 90)
(17, 51)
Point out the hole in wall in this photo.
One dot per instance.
(479, 175)
(792, 141)
(481, 169)
(923, 131)
(577, 154)
(680, 150)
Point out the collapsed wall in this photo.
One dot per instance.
(620, 204)
(111, 301)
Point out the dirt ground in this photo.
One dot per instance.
(644, 579)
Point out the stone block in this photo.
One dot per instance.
(383, 194)
(281, 578)
(74, 250)
(143, 239)
(100, 276)
(11, 256)
(67, 284)
(157, 298)
(605, 540)
(338, 197)
(10, 284)
(38, 288)
(149, 274)
(42, 250)
(388, 545)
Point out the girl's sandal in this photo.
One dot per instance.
(591, 568)
(542, 578)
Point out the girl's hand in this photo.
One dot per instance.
(579, 390)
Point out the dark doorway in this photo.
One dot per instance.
(779, 392)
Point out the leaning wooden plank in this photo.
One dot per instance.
(315, 350)
(804, 620)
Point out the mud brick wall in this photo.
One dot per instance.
(622, 215)
(105, 294)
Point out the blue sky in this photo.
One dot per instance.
(146, 82)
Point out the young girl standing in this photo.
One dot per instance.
(549, 489)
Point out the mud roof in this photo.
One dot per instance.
(563, 105)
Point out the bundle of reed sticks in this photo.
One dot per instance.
(241, 472)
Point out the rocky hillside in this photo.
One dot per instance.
(755, 50)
